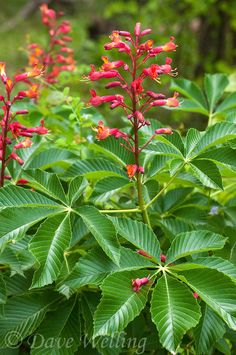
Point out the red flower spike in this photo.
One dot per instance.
(137, 283)
(133, 84)
(195, 295)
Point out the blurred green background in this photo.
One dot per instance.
(205, 31)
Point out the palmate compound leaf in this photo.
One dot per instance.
(174, 311)
(59, 333)
(95, 266)
(23, 314)
(217, 290)
(48, 246)
(210, 328)
(138, 234)
(194, 242)
(119, 304)
(103, 231)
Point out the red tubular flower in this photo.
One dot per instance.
(26, 143)
(195, 295)
(97, 75)
(22, 182)
(154, 95)
(143, 253)
(163, 258)
(15, 157)
(107, 66)
(102, 131)
(137, 86)
(137, 283)
(98, 100)
(163, 131)
(172, 101)
(3, 72)
(168, 47)
(113, 84)
(131, 170)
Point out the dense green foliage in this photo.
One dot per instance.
(70, 239)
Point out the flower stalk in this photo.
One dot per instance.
(135, 100)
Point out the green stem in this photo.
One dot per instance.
(141, 201)
(165, 187)
(133, 210)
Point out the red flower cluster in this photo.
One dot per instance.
(8, 125)
(141, 101)
(58, 56)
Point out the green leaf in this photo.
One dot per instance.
(9, 258)
(110, 184)
(194, 242)
(21, 219)
(46, 183)
(3, 291)
(50, 157)
(191, 91)
(216, 134)
(94, 168)
(216, 289)
(228, 103)
(212, 262)
(225, 156)
(14, 196)
(94, 266)
(48, 246)
(208, 331)
(174, 311)
(119, 304)
(59, 333)
(22, 315)
(214, 87)
(207, 172)
(138, 234)
(103, 231)
(193, 136)
(112, 148)
(76, 188)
